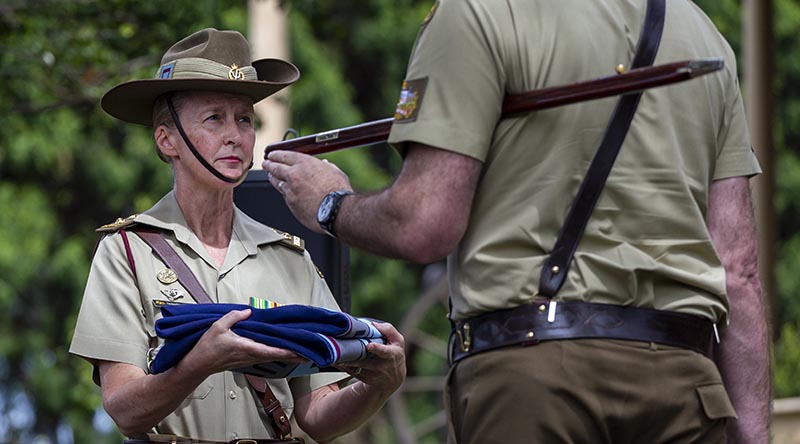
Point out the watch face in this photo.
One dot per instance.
(324, 211)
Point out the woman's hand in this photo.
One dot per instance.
(385, 369)
(221, 349)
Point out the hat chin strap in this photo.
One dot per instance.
(197, 155)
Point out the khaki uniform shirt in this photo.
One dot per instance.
(646, 243)
(119, 310)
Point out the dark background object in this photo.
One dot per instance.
(256, 197)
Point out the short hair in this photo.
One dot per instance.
(162, 116)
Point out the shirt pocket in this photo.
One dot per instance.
(203, 390)
(715, 401)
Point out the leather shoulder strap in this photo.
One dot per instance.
(156, 241)
(556, 266)
(167, 254)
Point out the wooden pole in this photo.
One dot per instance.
(268, 36)
(759, 102)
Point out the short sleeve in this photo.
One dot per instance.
(452, 94)
(736, 157)
(111, 325)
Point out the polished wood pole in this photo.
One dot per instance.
(269, 38)
(759, 102)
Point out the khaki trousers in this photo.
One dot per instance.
(587, 391)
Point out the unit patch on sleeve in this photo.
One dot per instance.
(410, 100)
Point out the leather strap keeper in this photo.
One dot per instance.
(529, 325)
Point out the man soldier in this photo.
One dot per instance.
(668, 254)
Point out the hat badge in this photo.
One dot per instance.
(235, 73)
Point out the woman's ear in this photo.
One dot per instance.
(165, 142)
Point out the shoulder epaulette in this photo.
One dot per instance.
(117, 224)
(291, 241)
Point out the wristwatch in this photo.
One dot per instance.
(329, 208)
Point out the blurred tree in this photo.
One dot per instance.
(65, 168)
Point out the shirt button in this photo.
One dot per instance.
(232, 394)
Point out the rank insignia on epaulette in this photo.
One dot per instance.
(291, 241)
(430, 14)
(117, 224)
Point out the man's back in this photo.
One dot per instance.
(646, 243)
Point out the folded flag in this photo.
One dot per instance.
(323, 336)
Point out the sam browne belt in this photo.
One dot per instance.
(546, 320)
(549, 320)
(155, 438)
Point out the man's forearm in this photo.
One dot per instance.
(423, 215)
(744, 362)
(743, 356)
(385, 225)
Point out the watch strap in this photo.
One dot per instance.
(329, 223)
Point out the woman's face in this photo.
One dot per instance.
(221, 127)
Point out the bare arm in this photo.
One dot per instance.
(328, 412)
(128, 390)
(743, 357)
(421, 217)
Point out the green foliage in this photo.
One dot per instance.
(65, 168)
(787, 351)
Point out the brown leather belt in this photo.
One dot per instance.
(153, 438)
(545, 320)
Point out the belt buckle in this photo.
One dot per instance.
(464, 339)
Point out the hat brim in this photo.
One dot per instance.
(133, 101)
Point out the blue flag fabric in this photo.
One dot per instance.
(321, 335)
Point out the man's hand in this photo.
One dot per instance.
(304, 181)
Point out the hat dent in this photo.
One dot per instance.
(208, 60)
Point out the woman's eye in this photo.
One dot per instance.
(246, 120)
(213, 117)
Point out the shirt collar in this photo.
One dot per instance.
(166, 214)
